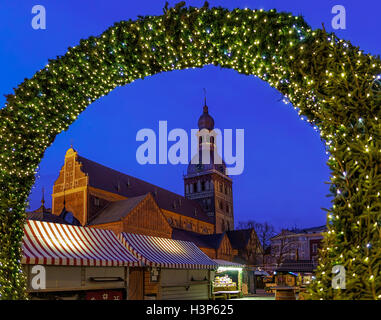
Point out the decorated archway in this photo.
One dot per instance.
(332, 83)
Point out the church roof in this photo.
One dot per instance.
(116, 211)
(44, 216)
(108, 179)
(212, 241)
(239, 238)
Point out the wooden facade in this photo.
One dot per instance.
(146, 218)
(72, 189)
(225, 250)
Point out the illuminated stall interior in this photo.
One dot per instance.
(227, 281)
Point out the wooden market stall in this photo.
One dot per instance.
(71, 262)
(227, 281)
(295, 275)
(174, 269)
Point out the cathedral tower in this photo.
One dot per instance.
(207, 182)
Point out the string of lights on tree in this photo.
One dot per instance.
(333, 85)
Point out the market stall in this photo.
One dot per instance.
(174, 269)
(294, 274)
(227, 281)
(70, 262)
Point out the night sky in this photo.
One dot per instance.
(285, 161)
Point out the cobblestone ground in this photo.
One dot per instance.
(259, 295)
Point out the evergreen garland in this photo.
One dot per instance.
(334, 86)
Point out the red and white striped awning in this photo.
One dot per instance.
(61, 244)
(166, 253)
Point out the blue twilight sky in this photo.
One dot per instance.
(285, 170)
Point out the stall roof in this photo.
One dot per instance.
(225, 263)
(60, 244)
(167, 253)
(304, 266)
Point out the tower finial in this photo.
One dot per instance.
(205, 106)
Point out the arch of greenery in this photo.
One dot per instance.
(332, 84)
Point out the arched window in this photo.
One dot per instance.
(211, 139)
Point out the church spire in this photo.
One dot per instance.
(205, 106)
(43, 197)
(205, 121)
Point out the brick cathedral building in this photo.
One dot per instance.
(89, 194)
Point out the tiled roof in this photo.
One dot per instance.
(314, 229)
(239, 238)
(45, 216)
(116, 211)
(212, 241)
(311, 230)
(107, 179)
(296, 266)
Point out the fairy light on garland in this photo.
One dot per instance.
(330, 83)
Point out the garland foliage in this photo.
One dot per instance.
(335, 86)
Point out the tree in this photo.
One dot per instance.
(283, 245)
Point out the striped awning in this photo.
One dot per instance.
(166, 253)
(60, 244)
(227, 264)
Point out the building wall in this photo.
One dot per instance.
(215, 194)
(182, 284)
(252, 253)
(211, 253)
(296, 246)
(116, 227)
(223, 203)
(72, 278)
(85, 201)
(147, 219)
(225, 251)
(71, 186)
(187, 223)
(150, 287)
